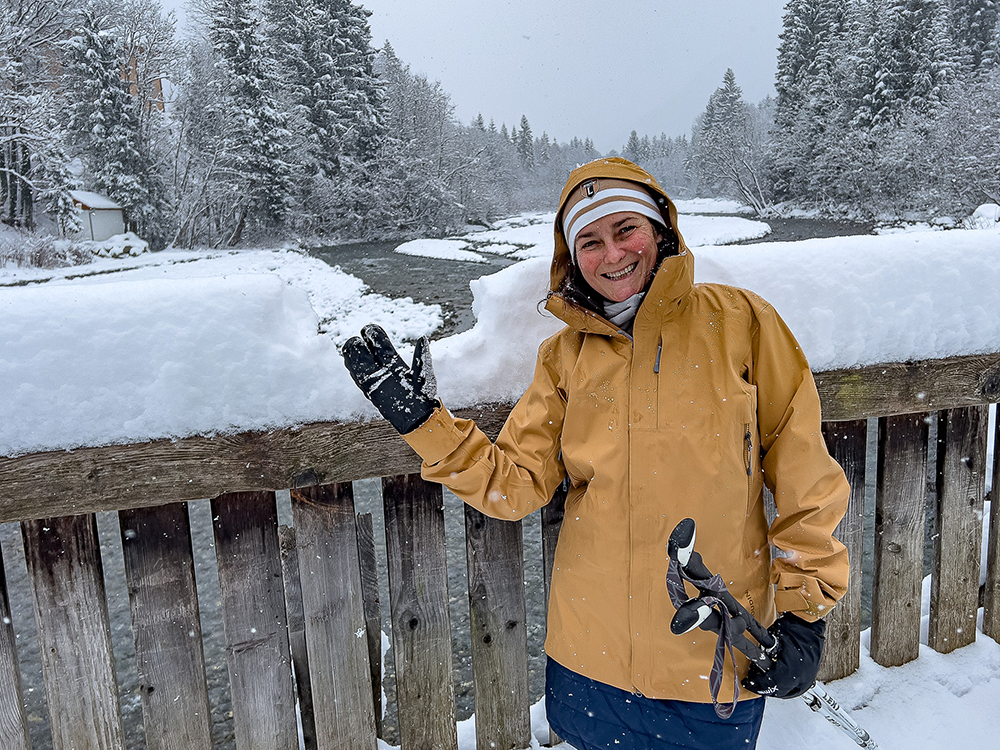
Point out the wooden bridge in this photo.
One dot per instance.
(300, 607)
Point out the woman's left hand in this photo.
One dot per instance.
(405, 396)
(800, 647)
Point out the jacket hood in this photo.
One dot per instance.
(675, 276)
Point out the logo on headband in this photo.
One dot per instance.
(590, 187)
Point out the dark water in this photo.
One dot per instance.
(427, 280)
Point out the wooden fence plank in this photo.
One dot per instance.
(159, 568)
(495, 557)
(841, 656)
(297, 633)
(958, 526)
(165, 471)
(74, 635)
(373, 609)
(253, 610)
(899, 537)
(421, 622)
(335, 617)
(13, 720)
(991, 589)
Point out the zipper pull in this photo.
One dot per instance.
(749, 440)
(659, 351)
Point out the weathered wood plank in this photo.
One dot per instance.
(899, 537)
(495, 557)
(421, 622)
(297, 633)
(140, 475)
(159, 568)
(13, 719)
(909, 387)
(253, 611)
(958, 527)
(846, 442)
(166, 471)
(335, 617)
(373, 609)
(991, 592)
(74, 635)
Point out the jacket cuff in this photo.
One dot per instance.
(806, 599)
(436, 438)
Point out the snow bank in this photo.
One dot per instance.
(986, 216)
(711, 206)
(719, 230)
(443, 249)
(494, 361)
(128, 361)
(865, 299)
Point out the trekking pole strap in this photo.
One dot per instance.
(676, 576)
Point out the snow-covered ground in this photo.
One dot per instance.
(180, 343)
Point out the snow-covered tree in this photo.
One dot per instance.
(103, 124)
(732, 147)
(976, 33)
(33, 164)
(526, 144)
(255, 135)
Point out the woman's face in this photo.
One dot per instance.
(617, 254)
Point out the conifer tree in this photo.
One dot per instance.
(103, 124)
(525, 144)
(255, 136)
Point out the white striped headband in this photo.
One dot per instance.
(595, 199)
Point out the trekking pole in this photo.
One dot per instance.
(701, 612)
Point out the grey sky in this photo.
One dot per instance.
(583, 67)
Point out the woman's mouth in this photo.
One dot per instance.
(622, 273)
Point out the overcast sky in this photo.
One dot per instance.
(583, 67)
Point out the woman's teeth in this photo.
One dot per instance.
(622, 273)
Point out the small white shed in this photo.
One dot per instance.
(100, 217)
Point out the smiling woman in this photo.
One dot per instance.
(659, 400)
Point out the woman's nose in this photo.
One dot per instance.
(614, 252)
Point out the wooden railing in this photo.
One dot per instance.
(307, 596)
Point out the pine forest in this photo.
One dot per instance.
(280, 119)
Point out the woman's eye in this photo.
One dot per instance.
(628, 228)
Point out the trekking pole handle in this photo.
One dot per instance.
(681, 548)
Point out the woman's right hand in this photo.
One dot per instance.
(405, 396)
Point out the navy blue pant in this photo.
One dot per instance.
(593, 716)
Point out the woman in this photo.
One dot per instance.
(659, 400)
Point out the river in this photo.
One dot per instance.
(426, 280)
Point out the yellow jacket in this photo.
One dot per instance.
(708, 400)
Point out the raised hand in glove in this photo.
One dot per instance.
(406, 396)
(800, 646)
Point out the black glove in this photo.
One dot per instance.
(800, 646)
(404, 395)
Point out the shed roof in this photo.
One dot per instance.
(93, 201)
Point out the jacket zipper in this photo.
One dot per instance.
(656, 365)
(748, 450)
